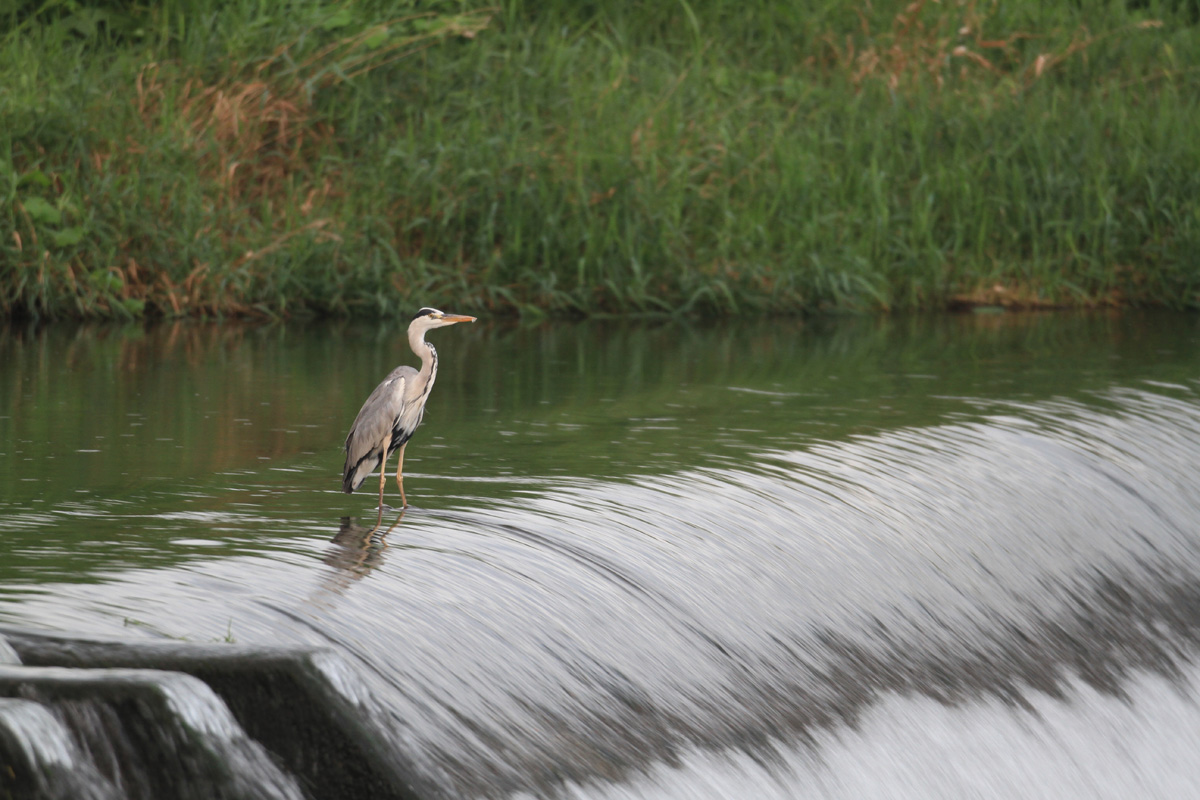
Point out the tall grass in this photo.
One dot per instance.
(709, 157)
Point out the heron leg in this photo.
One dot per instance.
(400, 475)
(382, 479)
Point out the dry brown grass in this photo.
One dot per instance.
(256, 139)
(952, 43)
(1016, 296)
(253, 138)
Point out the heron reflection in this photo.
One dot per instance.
(357, 549)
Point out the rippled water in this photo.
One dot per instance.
(898, 558)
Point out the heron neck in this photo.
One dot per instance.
(425, 351)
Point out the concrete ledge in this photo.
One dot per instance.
(306, 707)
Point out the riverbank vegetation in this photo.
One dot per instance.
(209, 157)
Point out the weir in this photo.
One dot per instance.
(993, 594)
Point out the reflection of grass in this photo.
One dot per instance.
(705, 156)
(218, 406)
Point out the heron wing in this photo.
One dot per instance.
(373, 425)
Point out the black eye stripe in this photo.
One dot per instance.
(425, 312)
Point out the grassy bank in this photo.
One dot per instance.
(203, 157)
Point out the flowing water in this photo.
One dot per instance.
(926, 558)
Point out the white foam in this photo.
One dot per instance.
(198, 706)
(1092, 746)
(7, 654)
(43, 738)
(341, 677)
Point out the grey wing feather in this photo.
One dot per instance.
(372, 426)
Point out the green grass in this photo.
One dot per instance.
(206, 158)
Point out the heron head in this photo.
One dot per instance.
(429, 318)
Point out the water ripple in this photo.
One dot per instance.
(593, 629)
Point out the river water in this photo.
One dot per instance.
(910, 557)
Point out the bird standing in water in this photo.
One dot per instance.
(392, 413)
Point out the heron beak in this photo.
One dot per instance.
(457, 318)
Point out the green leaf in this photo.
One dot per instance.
(85, 21)
(104, 280)
(377, 38)
(134, 306)
(339, 19)
(34, 176)
(42, 211)
(68, 236)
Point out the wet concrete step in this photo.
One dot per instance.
(192, 720)
(151, 733)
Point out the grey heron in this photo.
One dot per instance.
(392, 413)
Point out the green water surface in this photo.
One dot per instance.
(133, 447)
